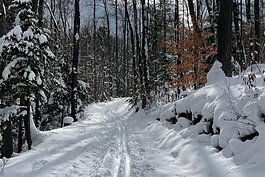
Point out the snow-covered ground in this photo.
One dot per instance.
(113, 141)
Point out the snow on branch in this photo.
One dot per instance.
(6, 112)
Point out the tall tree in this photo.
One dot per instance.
(248, 14)
(238, 54)
(108, 50)
(224, 36)
(143, 65)
(3, 24)
(193, 16)
(257, 30)
(75, 60)
(117, 80)
(176, 21)
(134, 57)
(95, 80)
(40, 13)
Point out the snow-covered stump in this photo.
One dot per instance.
(67, 121)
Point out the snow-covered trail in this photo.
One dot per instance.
(114, 142)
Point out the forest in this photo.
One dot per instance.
(58, 56)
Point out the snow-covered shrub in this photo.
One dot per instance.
(221, 111)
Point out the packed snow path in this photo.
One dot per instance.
(113, 142)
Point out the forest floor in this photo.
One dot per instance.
(113, 141)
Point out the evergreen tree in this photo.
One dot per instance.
(26, 57)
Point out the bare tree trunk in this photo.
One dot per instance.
(95, 80)
(193, 16)
(37, 107)
(257, 31)
(27, 124)
(248, 10)
(75, 61)
(20, 134)
(117, 80)
(108, 42)
(40, 13)
(3, 23)
(7, 148)
(224, 36)
(183, 20)
(133, 48)
(238, 53)
(37, 110)
(139, 56)
(143, 65)
(176, 21)
(210, 9)
(125, 61)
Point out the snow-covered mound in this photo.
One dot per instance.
(229, 110)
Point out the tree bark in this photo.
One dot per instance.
(75, 60)
(27, 124)
(144, 57)
(224, 36)
(117, 80)
(37, 119)
(176, 21)
(257, 30)
(7, 148)
(133, 48)
(248, 10)
(40, 13)
(20, 134)
(95, 80)
(238, 55)
(3, 23)
(125, 61)
(108, 53)
(193, 16)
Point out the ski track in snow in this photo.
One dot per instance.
(110, 142)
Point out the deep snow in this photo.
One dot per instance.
(113, 141)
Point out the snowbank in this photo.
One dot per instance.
(230, 111)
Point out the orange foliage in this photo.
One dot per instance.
(192, 53)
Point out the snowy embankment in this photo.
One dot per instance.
(227, 114)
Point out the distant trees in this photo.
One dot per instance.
(137, 58)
